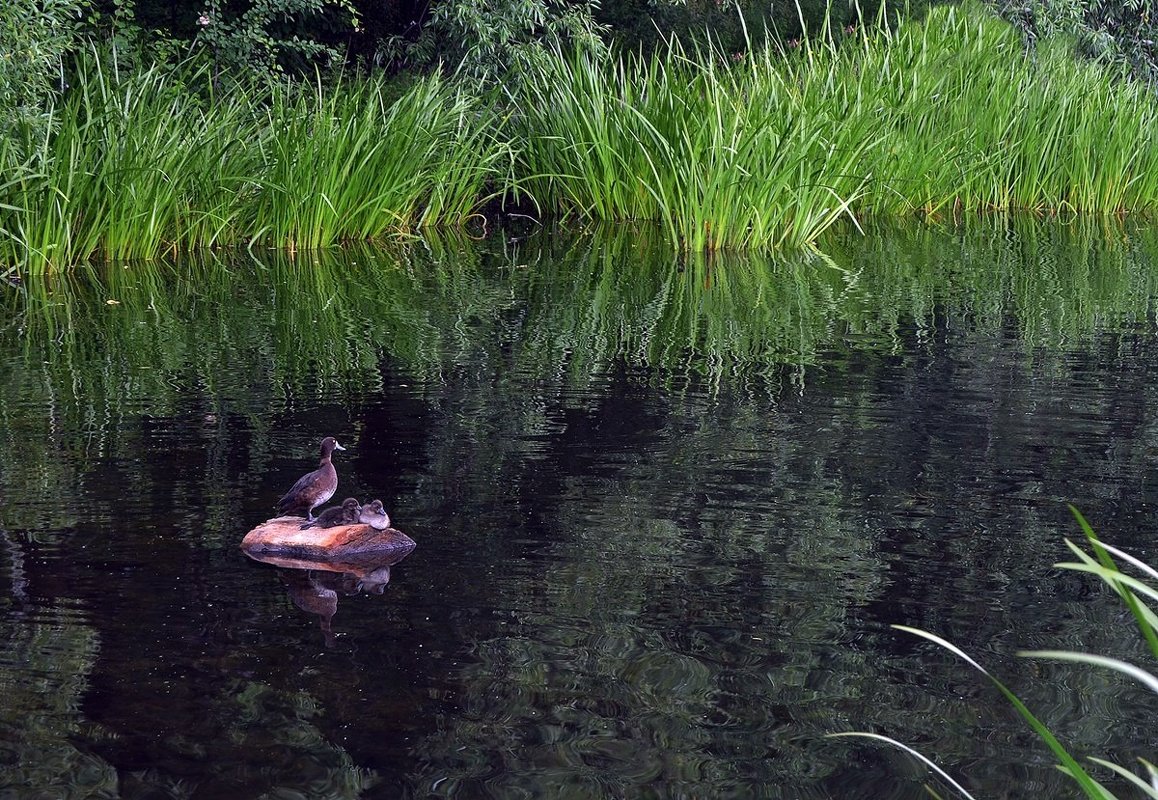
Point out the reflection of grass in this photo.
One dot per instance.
(253, 334)
(250, 333)
(1132, 592)
(703, 314)
(1059, 283)
(320, 322)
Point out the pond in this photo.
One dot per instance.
(667, 509)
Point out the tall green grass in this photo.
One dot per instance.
(140, 165)
(351, 163)
(975, 121)
(771, 149)
(723, 151)
(721, 156)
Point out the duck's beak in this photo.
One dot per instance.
(338, 446)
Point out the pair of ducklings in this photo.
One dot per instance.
(351, 512)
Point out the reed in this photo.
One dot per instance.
(136, 165)
(977, 122)
(352, 163)
(771, 149)
(760, 150)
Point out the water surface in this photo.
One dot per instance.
(666, 510)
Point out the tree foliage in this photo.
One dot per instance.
(487, 39)
(266, 36)
(35, 38)
(1119, 31)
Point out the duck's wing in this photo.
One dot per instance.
(292, 497)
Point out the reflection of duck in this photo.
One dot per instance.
(316, 586)
(375, 516)
(313, 488)
(345, 514)
(374, 582)
(311, 595)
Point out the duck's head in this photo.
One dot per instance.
(329, 445)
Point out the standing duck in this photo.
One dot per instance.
(374, 515)
(345, 514)
(313, 488)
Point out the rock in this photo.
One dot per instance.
(282, 537)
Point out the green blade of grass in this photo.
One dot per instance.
(914, 753)
(1088, 784)
(1148, 789)
(1127, 669)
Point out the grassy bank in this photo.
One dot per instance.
(141, 165)
(976, 121)
(723, 151)
(952, 113)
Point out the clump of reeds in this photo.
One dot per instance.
(350, 163)
(720, 155)
(142, 164)
(742, 150)
(771, 149)
(975, 121)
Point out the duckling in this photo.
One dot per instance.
(374, 515)
(345, 514)
(313, 488)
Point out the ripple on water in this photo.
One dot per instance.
(48, 652)
(632, 580)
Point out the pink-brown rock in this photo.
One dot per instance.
(283, 537)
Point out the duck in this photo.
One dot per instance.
(313, 488)
(374, 515)
(345, 514)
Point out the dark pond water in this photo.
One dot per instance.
(666, 511)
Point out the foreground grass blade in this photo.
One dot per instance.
(1127, 669)
(1149, 789)
(1091, 787)
(944, 775)
(1143, 615)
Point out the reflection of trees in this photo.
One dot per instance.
(691, 620)
(150, 720)
(44, 674)
(727, 461)
(653, 575)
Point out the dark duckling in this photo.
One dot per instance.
(313, 488)
(345, 514)
(374, 515)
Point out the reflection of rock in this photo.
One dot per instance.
(314, 585)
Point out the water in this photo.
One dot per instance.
(666, 511)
